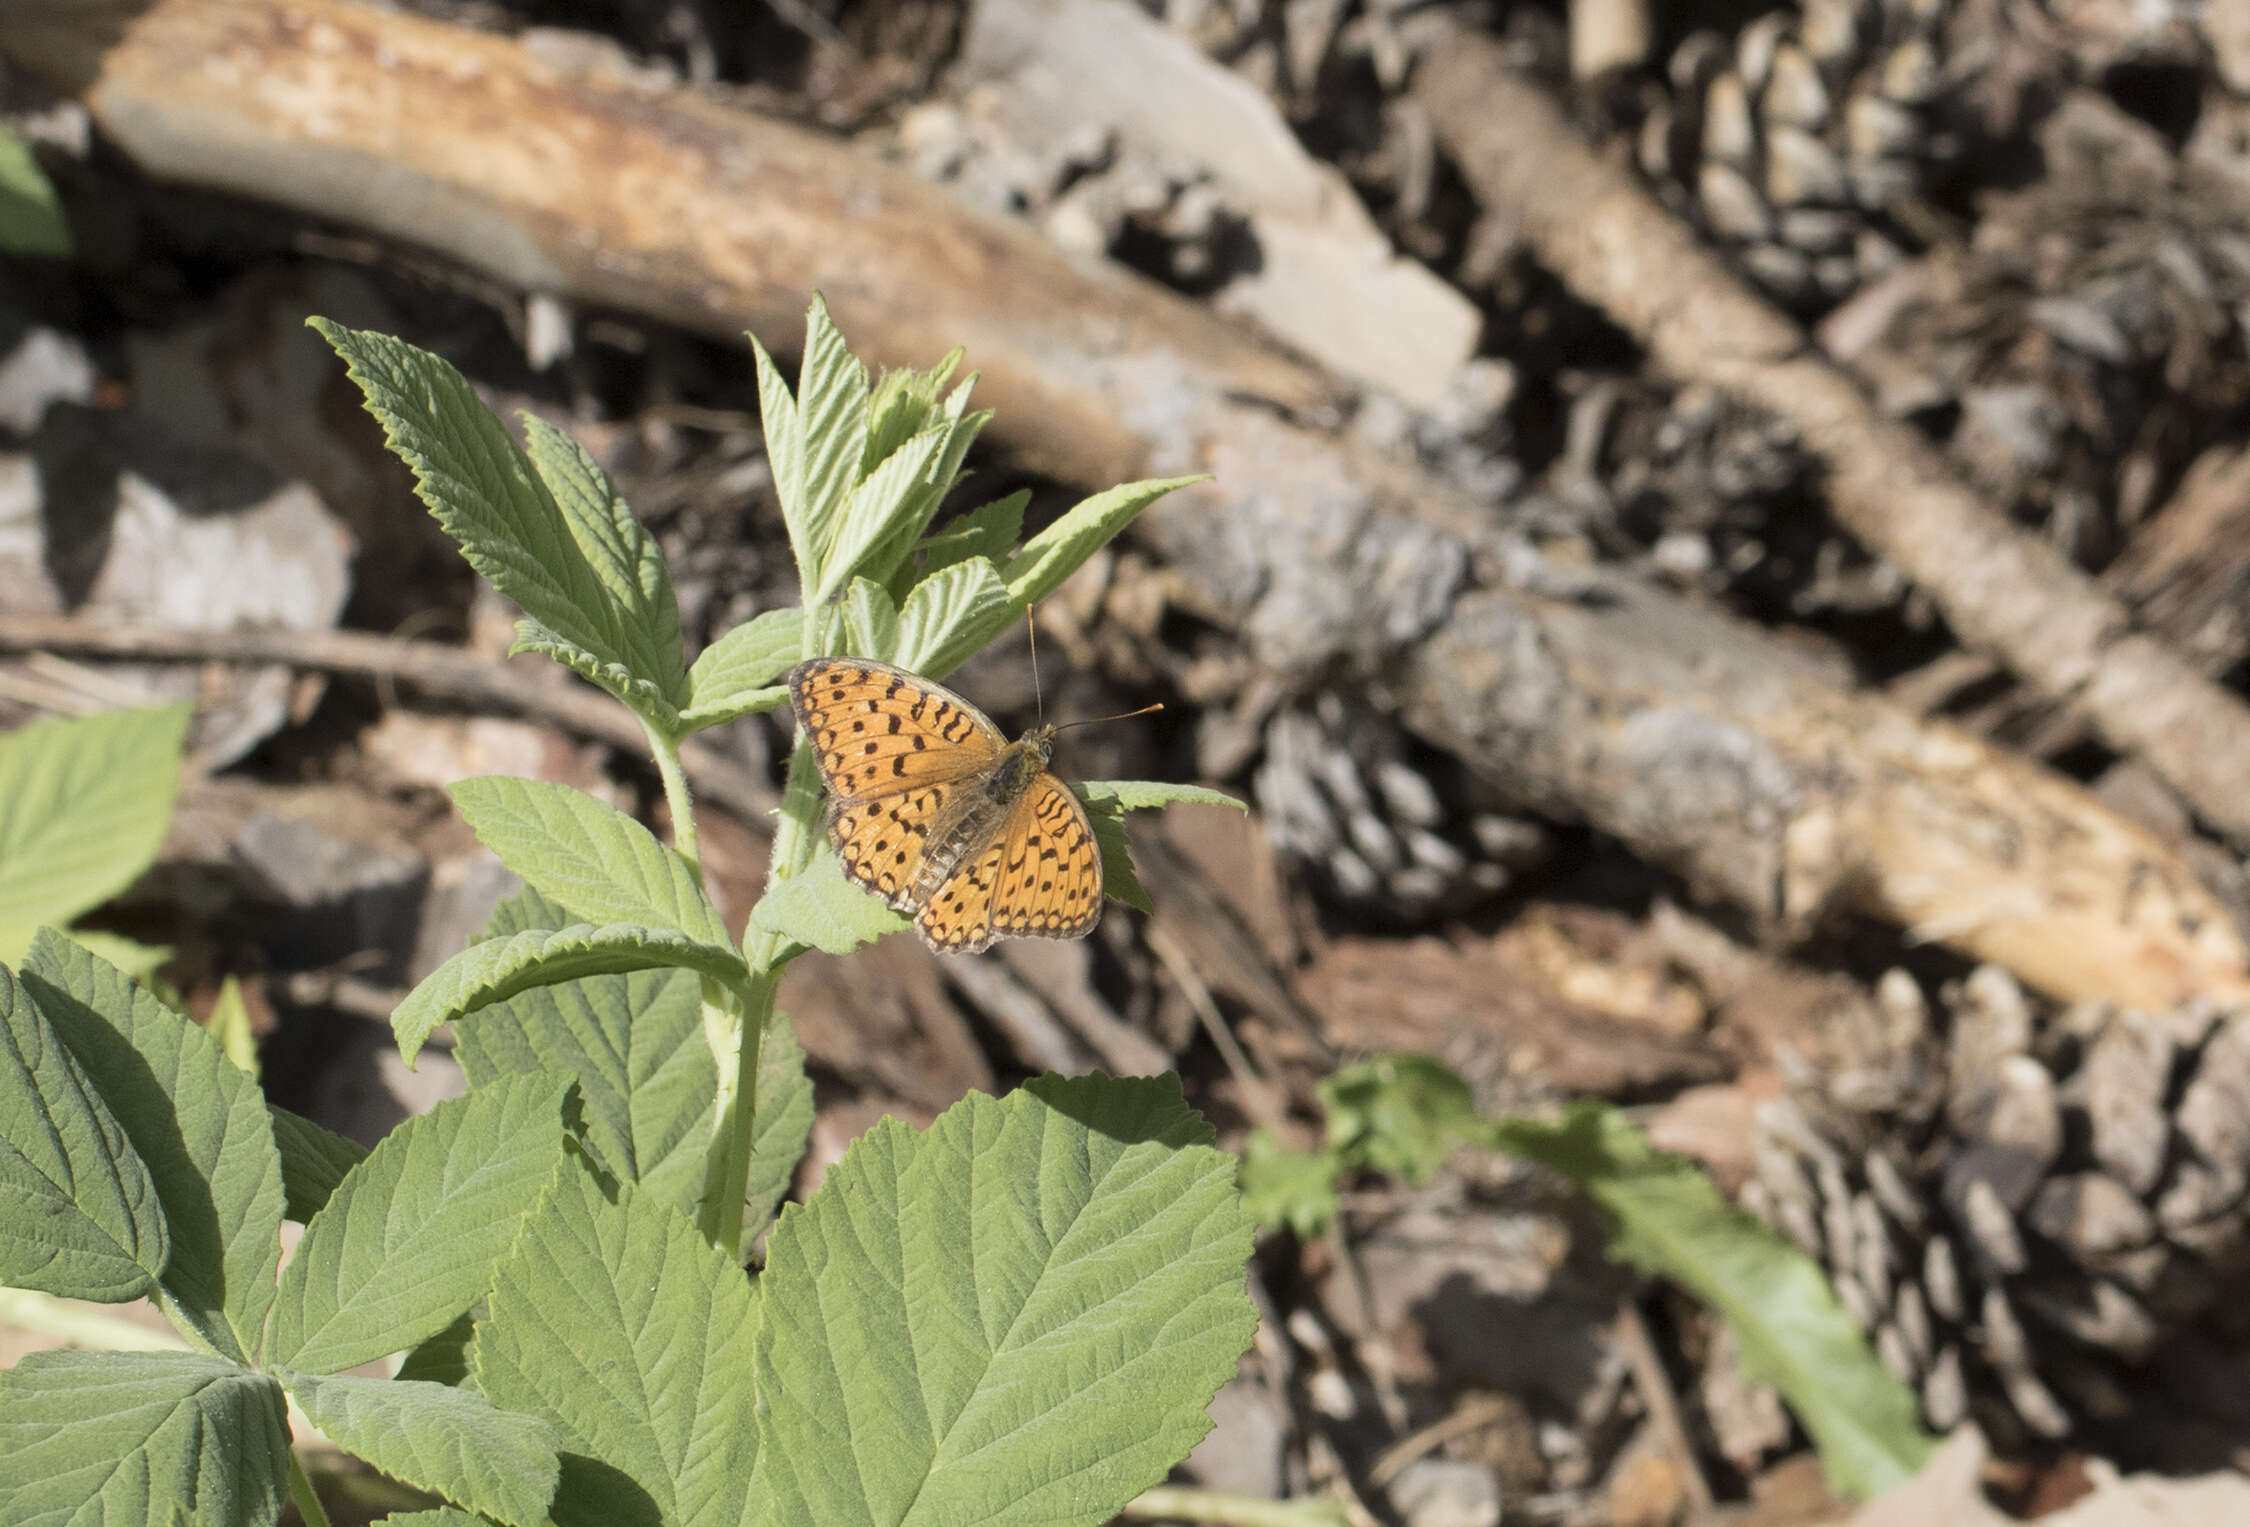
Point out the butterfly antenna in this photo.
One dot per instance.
(1120, 716)
(1031, 632)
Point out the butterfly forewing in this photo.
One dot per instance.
(878, 730)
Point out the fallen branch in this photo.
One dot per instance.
(2002, 589)
(436, 670)
(1692, 738)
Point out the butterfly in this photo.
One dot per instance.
(937, 813)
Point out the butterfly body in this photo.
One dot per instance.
(938, 814)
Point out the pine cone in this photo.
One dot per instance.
(2019, 1214)
(1796, 143)
(2090, 340)
(1341, 793)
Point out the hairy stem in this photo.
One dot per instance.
(736, 1028)
(301, 1491)
(676, 796)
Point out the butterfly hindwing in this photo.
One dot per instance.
(1050, 883)
(957, 919)
(882, 839)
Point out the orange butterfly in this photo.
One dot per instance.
(938, 814)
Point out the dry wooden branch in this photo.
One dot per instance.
(1322, 549)
(2002, 589)
(431, 667)
(599, 188)
(1693, 739)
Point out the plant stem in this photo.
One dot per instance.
(301, 1491)
(676, 796)
(737, 1033)
(1169, 1503)
(736, 1030)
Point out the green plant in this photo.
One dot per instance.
(84, 803)
(1405, 1114)
(31, 219)
(1016, 1315)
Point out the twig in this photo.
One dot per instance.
(1631, 1334)
(1259, 1098)
(2003, 589)
(1471, 1415)
(1171, 1503)
(431, 667)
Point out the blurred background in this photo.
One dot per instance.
(1726, 585)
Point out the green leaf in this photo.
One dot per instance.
(229, 1023)
(951, 615)
(634, 1042)
(777, 419)
(31, 217)
(1668, 1219)
(197, 1123)
(735, 675)
(870, 621)
(1107, 801)
(1120, 881)
(83, 808)
(454, 1443)
(613, 1320)
(989, 531)
(112, 1438)
(138, 960)
(1058, 551)
(1400, 1114)
(436, 1516)
(443, 1358)
(584, 586)
(1017, 1317)
(880, 506)
(498, 969)
(1142, 794)
(592, 858)
(784, 1123)
(904, 403)
(313, 1161)
(820, 909)
(623, 555)
(78, 1214)
(831, 434)
(894, 551)
(408, 1241)
(1285, 1187)
(644, 698)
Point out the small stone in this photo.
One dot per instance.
(1439, 1492)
